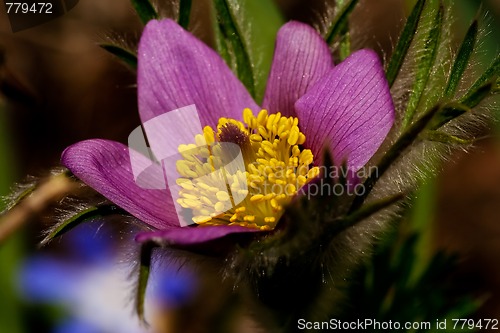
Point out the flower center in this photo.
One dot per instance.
(275, 168)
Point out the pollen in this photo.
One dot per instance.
(275, 168)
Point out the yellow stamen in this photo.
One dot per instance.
(275, 170)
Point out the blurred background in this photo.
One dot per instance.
(58, 87)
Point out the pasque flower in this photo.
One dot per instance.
(309, 104)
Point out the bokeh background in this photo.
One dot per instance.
(58, 87)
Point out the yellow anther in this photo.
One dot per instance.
(269, 196)
(222, 196)
(290, 189)
(200, 140)
(262, 131)
(213, 189)
(190, 196)
(192, 203)
(270, 121)
(301, 139)
(202, 186)
(262, 117)
(276, 168)
(206, 212)
(255, 138)
(269, 150)
(281, 196)
(219, 207)
(277, 118)
(209, 135)
(269, 219)
(301, 180)
(247, 116)
(187, 184)
(313, 172)
(294, 136)
(280, 129)
(201, 219)
(181, 148)
(182, 203)
(263, 161)
(257, 197)
(206, 200)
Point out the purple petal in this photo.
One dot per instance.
(301, 58)
(186, 236)
(350, 109)
(105, 166)
(175, 69)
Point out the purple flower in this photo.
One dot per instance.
(311, 103)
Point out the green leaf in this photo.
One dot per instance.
(24, 190)
(84, 215)
(462, 59)
(245, 38)
(437, 136)
(236, 48)
(142, 282)
(20, 197)
(490, 74)
(345, 42)
(474, 97)
(340, 21)
(127, 56)
(424, 65)
(145, 10)
(184, 12)
(447, 113)
(404, 42)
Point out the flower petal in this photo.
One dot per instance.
(105, 166)
(186, 236)
(350, 109)
(301, 58)
(175, 69)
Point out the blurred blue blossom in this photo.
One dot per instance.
(91, 284)
(76, 326)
